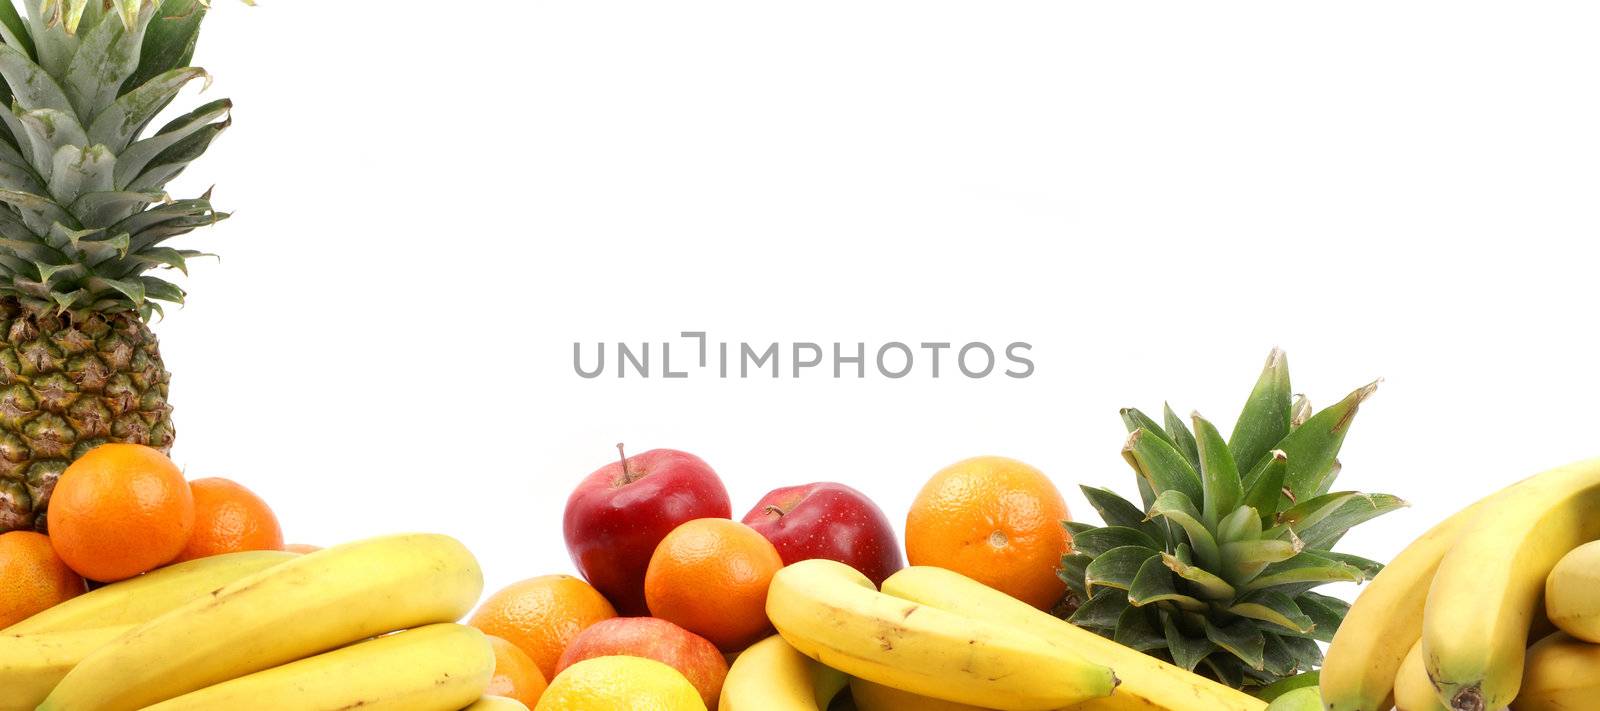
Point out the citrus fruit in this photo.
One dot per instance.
(632, 683)
(229, 518)
(997, 521)
(710, 576)
(516, 676)
(32, 577)
(541, 615)
(120, 510)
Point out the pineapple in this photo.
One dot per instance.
(1216, 571)
(83, 219)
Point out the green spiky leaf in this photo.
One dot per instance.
(1161, 466)
(1116, 568)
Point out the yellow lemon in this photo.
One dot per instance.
(622, 684)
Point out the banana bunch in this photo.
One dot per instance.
(1452, 616)
(772, 676)
(366, 624)
(933, 638)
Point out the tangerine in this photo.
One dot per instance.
(710, 576)
(997, 521)
(120, 510)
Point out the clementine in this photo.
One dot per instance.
(120, 510)
(710, 576)
(541, 615)
(32, 577)
(229, 518)
(516, 676)
(997, 521)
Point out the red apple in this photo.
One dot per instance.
(618, 514)
(653, 638)
(828, 520)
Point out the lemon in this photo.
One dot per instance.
(620, 683)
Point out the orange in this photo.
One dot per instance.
(997, 521)
(32, 577)
(541, 615)
(710, 576)
(516, 676)
(120, 510)
(229, 518)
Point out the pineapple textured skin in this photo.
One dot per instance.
(85, 221)
(67, 385)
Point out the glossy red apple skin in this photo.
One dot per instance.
(613, 522)
(652, 638)
(828, 520)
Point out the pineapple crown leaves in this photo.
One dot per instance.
(83, 211)
(1216, 570)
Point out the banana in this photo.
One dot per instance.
(1359, 671)
(1147, 683)
(772, 676)
(1413, 691)
(305, 606)
(1563, 674)
(1307, 699)
(136, 601)
(496, 703)
(1487, 589)
(1572, 593)
(833, 614)
(877, 697)
(443, 666)
(32, 664)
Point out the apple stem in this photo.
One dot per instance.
(627, 476)
(774, 509)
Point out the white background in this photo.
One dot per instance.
(432, 206)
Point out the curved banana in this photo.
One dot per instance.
(443, 666)
(877, 697)
(1562, 674)
(1413, 691)
(136, 601)
(833, 614)
(305, 606)
(1487, 590)
(1147, 683)
(1572, 593)
(32, 664)
(772, 676)
(1358, 673)
(496, 703)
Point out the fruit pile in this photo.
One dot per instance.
(1496, 606)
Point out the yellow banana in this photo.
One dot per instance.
(1487, 589)
(136, 601)
(496, 703)
(1413, 691)
(32, 664)
(1572, 593)
(877, 697)
(833, 614)
(1563, 674)
(772, 676)
(1147, 683)
(443, 666)
(1359, 671)
(305, 606)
